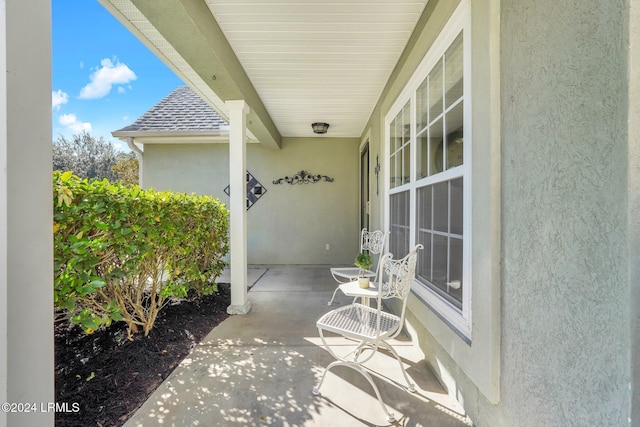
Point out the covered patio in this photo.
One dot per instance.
(541, 326)
(259, 369)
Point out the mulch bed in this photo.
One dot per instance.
(110, 377)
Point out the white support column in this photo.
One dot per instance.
(26, 213)
(238, 110)
(4, 247)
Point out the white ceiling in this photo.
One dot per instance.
(308, 60)
(311, 60)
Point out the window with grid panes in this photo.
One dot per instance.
(427, 178)
(439, 206)
(400, 168)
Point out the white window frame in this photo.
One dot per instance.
(460, 20)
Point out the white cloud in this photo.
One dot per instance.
(124, 89)
(72, 123)
(103, 79)
(58, 98)
(120, 145)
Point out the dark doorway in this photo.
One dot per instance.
(364, 186)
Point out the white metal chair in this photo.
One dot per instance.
(371, 327)
(370, 241)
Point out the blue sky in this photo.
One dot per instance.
(103, 77)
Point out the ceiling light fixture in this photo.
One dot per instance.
(319, 127)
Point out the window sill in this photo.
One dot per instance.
(449, 315)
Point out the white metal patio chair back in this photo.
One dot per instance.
(370, 241)
(372, 327)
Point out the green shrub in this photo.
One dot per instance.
(121, 253)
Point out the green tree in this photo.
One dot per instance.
(86, 156)
(127, 168)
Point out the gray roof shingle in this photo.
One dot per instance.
(181, 110)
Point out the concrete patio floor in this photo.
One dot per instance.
(259, 369)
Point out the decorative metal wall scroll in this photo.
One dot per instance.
(255, 190)
(303, 177)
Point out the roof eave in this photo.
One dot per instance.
(205, 52)
(173, 137)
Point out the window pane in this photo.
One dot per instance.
(393, 137)
(435, 91)
(424, 217)
(455, 271)
(455, 135)
(392, 172)
(424, 214)
(456, 207)
(439, 229)
(422, 105)
(440, 255)
(399, 219)
(406, 164)
(453, 71)
(441, 207)
(423, 269)
(423, 155)
(435, 147)
(406, 123)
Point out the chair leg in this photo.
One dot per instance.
(356, 365)
(334, 296)
(391, 418)
(410, 386)
(316, 389)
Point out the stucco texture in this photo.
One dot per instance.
(565, 308)
(289, 224)
(634, 206)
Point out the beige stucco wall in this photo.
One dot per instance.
(554, 250)
(565, 275)
(634, 206)
(290, 224)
